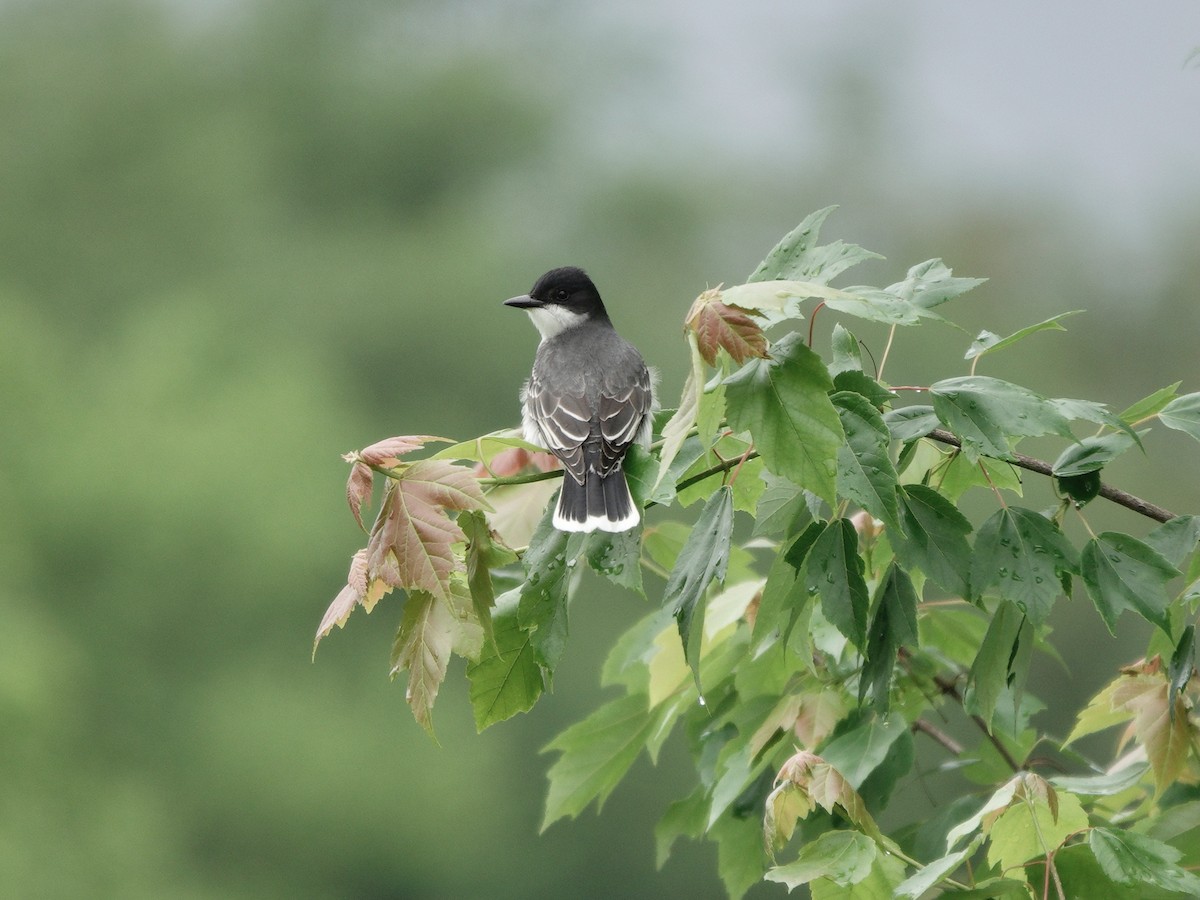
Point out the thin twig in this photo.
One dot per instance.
(939, 736)
(950, 689)
(1041, 467)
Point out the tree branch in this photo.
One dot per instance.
(1041, 467)
(950, 689)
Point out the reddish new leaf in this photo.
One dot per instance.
(359, 589)
(387, 452)
(358, 490)
(412, 544)
(722, 327)
(806, 781)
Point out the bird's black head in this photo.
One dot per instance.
(567, 288)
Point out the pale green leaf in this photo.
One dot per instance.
(704, 557)
(676, 430)
(799, 256)
(843, 857)
(1105, 785)
(1183, 414)
(1031, 830)
(1150, 406)
(596, 754)
(987, 342)
(915, 886)
(932, 283)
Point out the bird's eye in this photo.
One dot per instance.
(561, 294)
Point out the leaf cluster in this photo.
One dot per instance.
(829, 604)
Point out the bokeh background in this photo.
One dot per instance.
(240, 238)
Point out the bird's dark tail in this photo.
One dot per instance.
(600, 503)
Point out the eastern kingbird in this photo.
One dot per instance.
(590, 396)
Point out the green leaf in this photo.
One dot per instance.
(783, 596)
(507, 678)
(894, 623)
(596, 754)
(911, 422)
(741, 857)
(483, 555)
(543, 607)
(704, 557)
(1183, 664)
(931, 284)
(781, 506)
(799, 257)
(784, 403)
(989, 412)
(995, 668)
(1183, 414)
(1082, 877)
(1091, 454)
(886, 872)
(987, 342)
(845, 352)
(915, 886)
(835, 572)
(843, 857)
(935, 538)
(864, 468)
(1120, 572)
(861, 383)
(1081, 489)
(1176, 540)
(683, 818)
(1150, 406)
(1021, 554)
(860, 751)
(1131, 858)
(618, 557)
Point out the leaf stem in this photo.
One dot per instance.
(887, 348)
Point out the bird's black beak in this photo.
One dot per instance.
(523, 302)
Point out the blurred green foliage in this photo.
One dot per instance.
(237, 241)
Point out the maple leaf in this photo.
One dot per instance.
(430, 630)
(411, 545)
(719, 326)
(806, 781)
(383, 454)
(1164, 732)
(387, 453)
(360, 589)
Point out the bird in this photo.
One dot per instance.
(589, 398)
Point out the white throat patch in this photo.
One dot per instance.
(553, 320)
